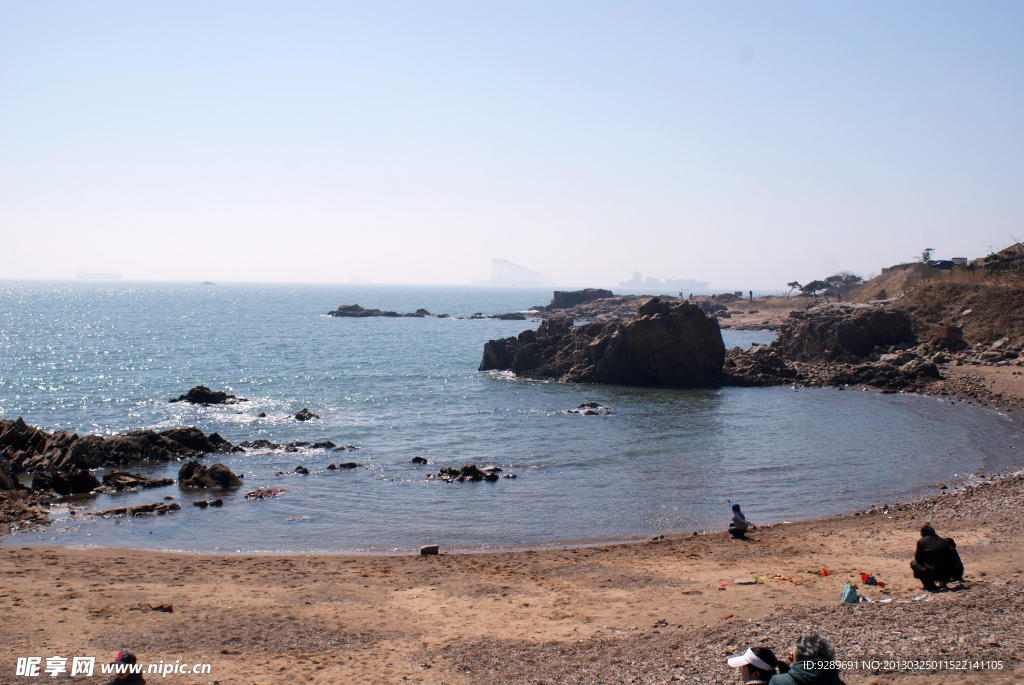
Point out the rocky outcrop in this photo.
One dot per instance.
(863, 346)
(664, 344)
(32, 449)
(305, 415)
(203, 395)
(830, 332)
(195, 475)
(566, 299)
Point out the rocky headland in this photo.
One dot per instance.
(663, 344)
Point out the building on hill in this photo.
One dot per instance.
(1007, 254)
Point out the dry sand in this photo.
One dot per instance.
(651, 612)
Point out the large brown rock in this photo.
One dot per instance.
(664, 344)
(829, 332)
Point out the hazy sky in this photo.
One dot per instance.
(745, 143)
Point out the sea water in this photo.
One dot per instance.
(105, 358)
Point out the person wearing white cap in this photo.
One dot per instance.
(757, 665)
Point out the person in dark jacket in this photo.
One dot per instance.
(811, 655)
(936, 561)
(128, 659)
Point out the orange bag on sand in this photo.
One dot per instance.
(825, 573)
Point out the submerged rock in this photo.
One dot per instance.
(591, 409)
(306, 415)
(122, 480)
(664, 344)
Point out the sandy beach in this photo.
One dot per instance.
(649, 612)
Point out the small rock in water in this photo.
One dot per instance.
(418, 460)
(302, 469)
(306, 415)
(429, 549)
(262, 415)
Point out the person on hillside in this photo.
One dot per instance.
(757, 665)
(813, 660)
(128, 659)
(739, 526)
(936, 561)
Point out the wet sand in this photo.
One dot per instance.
(651, 612)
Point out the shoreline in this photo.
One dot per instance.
(643, 611)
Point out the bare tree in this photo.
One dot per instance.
(926, 254)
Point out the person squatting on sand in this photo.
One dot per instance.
(811, 656)
(739, 526)
(757, 665)
(936, 560)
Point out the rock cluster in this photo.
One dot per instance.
(195, 475)
(60, 461)
(203, 395)
(306, 415)
(468, 472)
(664, 344)
(355, 311)
(264, 493)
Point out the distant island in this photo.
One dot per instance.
(638, 281)
(84, 275)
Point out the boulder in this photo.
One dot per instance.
(8, 481)
(302, 470)
(203, 395)
(428, 550)
(306, 415)
(664, 344)
(195, 475)
(418, 460)
(74, 481)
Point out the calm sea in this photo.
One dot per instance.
(106, 357)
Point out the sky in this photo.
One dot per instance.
(747, 144)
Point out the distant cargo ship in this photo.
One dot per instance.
(84, 275)
(638, 281)
(207, 283)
